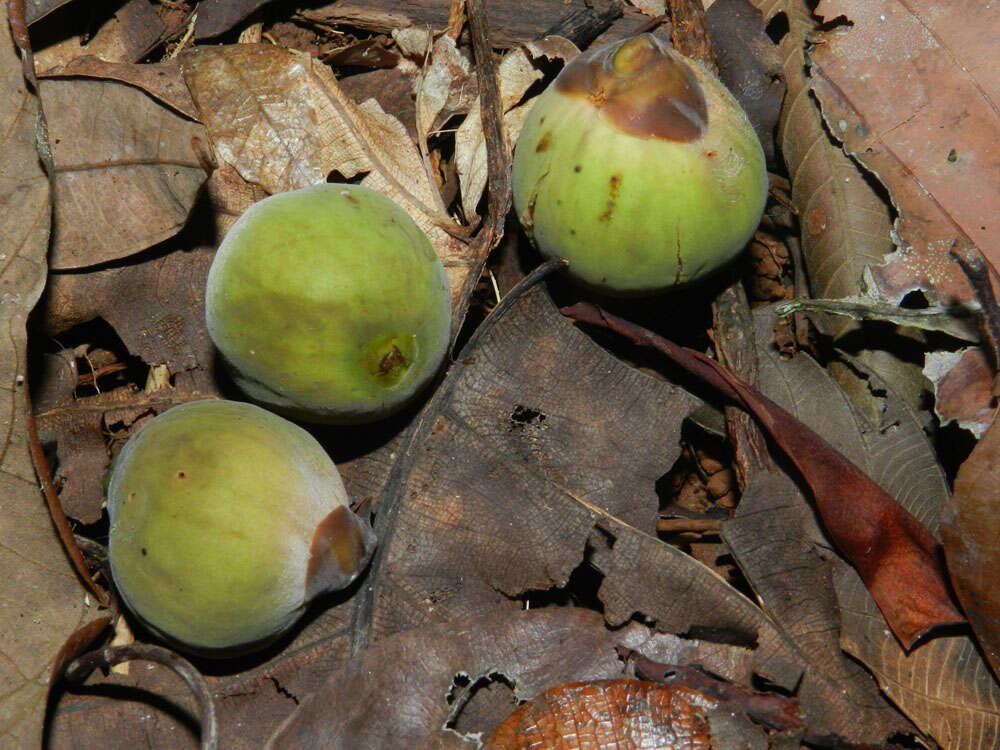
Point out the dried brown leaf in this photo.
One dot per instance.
(527, 651)
(43, 599)
(963, 388)
(910, 91)
(845, 225)
(971, 527)
(283, 122)
(631, 714)
(163, 81)
(127, 36)
(126, 172)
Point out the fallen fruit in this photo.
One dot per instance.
(226, 520)
(329, 304)
(639, 168)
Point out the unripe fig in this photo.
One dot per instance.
(329, 304)
(226, 520)
(639, 168)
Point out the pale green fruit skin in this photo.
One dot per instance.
(213, 508)
(310, 287)
(640, 215)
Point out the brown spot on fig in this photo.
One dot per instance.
(711, 153)
(392, 361)
(545, 143)
(614, 184)
(608, 211)
(144, 552)
(181, 475)
(337, 552)
(641, 86)
(350, 198)
(577, 168)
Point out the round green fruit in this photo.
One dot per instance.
(639, 168)
(329, 304)
(226, 520)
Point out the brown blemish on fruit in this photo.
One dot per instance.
(545, 143)
(614, 184)
(351, 199)
(641, 86)
(391, 362)
(337, 552)
(181, 475)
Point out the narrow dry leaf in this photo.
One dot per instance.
(43, 599)
(126, 173)
(516, 74)
(845, 225)
(162, 81)
(970, 527)
(446, 86)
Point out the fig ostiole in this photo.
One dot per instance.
(329, 304)
(226, 521)
(639, 168)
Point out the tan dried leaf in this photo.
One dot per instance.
(43, 601)
(283, 122)
(516, 74)
(127, 36)
(652, 8)
(446, 86)
(963, 387)
(127, 174)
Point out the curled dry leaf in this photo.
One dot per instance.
(43, 599)
(611, 713)
(282, 121)
(971, 526)
(516, 74)
(126, 172)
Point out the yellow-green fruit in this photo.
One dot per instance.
(226, 520)
(329, 304)
(639, 168)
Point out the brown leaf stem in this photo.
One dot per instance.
(895, 555)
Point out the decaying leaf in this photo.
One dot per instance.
(447, 666)
(845, 225)
(610, 713)
(909, 90)
(970, 527)
(963, 387)
(892, 550)
(43, 599)
(126, 172)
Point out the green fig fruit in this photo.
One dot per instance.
(226, 520)
(639, 168)
(329, 304)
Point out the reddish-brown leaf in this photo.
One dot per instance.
(611, 713)
(970, 526)
(892, 551)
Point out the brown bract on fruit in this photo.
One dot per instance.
(639, 168)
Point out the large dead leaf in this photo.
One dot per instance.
(126, 172)
(777, 542)
(282, 121)
(912, 93)
(437, 677)
(971, 527)
(895, 554)
(43, 601)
